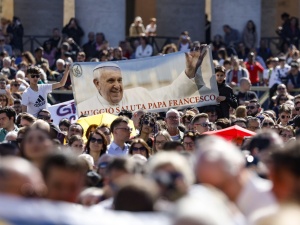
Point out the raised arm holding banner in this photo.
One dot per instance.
(154, 83)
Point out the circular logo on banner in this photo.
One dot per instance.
(77, 70)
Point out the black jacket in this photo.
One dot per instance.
(231, 101)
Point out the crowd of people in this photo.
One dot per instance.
(165, 162)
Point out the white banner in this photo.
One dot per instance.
(155, 84)
(63, 110)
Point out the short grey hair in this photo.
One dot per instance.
(60, 61)
(245, 79)
(7, 59)
(20, 74)
(217, 149)
(173, 111)
(179, 162)
(11, 135)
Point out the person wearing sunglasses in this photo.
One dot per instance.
(139, 146)
(44, 114)
(285, 114)
(147, 128)
(200, 123)
(253, 108)
(104, 128)
(14, 86)
(96, 145)
(267, 123)
(34, 97)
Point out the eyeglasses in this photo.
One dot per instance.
(2, 82)
(268, 124)
(190, 144)
(35, 76)
(283, 117)
(284, 99)
(2, 100)
(250, 107)
(149, 123)
(94, 140)
(44, 117)
(297, 108)
(202, 124)
(142, 149)
(125, 128)
(16, 85)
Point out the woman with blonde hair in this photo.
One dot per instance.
(169, 48)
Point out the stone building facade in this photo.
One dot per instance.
(113, 17)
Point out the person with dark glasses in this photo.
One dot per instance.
(139, 146)
(267, 123)
(147, 126)
(285, 114)
(253, 108)
(34, 97)
(96, 145)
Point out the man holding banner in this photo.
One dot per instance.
(111, 97)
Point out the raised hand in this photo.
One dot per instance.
(193, 60)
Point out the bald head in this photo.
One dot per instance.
(19, 177)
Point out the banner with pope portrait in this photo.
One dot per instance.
(158, 83)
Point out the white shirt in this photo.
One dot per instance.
(256, 195)
(150, 29)
(116, 150)
(142, 53)
(36, 100)
(277, 74)
(184, 47)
